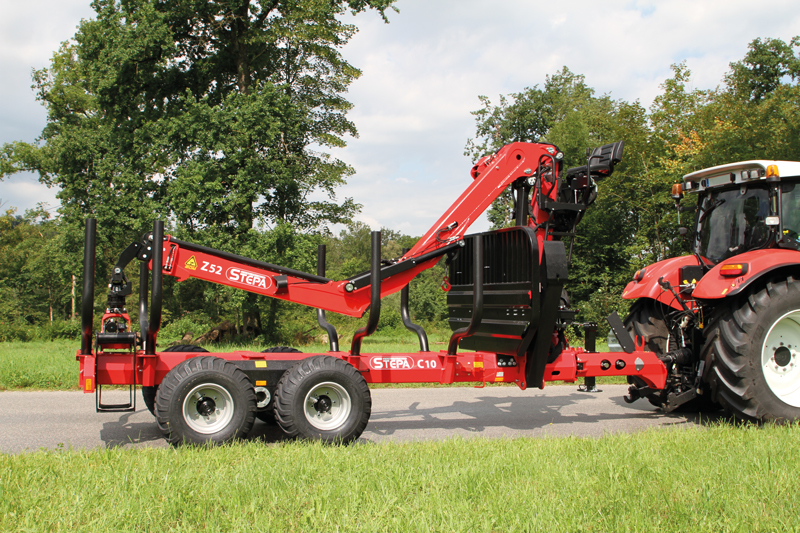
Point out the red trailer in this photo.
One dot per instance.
(504, 297)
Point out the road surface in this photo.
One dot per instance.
(51, 420)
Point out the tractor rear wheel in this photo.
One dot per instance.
(323, 398)
(205, 399)
(754, 345)
(647, 320)
(149, 393)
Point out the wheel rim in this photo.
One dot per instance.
(780, 358)
(208, 408)
(327, 406)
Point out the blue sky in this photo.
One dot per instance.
(423, 72)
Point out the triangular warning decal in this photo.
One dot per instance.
(190, 264)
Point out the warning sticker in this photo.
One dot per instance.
(190, 264)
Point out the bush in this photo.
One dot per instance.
(49, 331)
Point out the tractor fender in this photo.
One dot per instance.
(648, 286)
(714, 285)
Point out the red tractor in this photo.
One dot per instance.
(504, 296)
(726, 319)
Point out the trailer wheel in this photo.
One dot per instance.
(205, 399)
(281, 349)
(754, 345)
(323, 398)
(149, 393)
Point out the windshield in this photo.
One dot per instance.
(790, 210)
(732, 222)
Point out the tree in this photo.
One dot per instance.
(210, 115)
(565, 112)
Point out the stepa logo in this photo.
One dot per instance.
(254, 279)
(391, 362)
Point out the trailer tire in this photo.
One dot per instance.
(281, 349)
(205, 400)
(149, 393)
(323, 398)
(753, 343)
(149, 397)
(267, 415)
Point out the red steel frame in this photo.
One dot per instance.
(122, 365)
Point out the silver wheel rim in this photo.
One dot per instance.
(780, 358)
(327, 406)
(208, 408)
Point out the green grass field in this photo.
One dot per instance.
(719, 478)
(722, 478)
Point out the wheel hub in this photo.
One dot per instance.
(780, 358)
(323, 404)
(206, 406)
(327, 406)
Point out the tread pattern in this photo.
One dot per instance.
(169, 413)
(281, 349)
(732, 349)
(315, 369)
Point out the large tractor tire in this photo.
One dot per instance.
(205, 400)
(754, 345)
(323, 398)
(646, 320)
(149, 393)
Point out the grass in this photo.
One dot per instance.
(39, 365)
(721, 478)
(51, 365)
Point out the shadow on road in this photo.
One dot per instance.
(122, 432)
(563, 414)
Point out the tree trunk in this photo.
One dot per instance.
(72, 312)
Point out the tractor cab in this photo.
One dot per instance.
(744, 206)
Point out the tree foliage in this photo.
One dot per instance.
(211, 115)
(214, 117)
(754, 115)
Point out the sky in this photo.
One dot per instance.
(423, 73)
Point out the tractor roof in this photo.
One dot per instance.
(741, 172)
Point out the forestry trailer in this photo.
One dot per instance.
(506, 306)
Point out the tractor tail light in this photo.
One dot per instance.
(733, 270)
(639, 276)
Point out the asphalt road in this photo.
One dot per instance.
(51, 420)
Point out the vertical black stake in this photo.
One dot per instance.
(375, 296)
(144, 323)
(87, 302)
(477, 297)
(333, 337)
(405, 315)
(155, 292)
